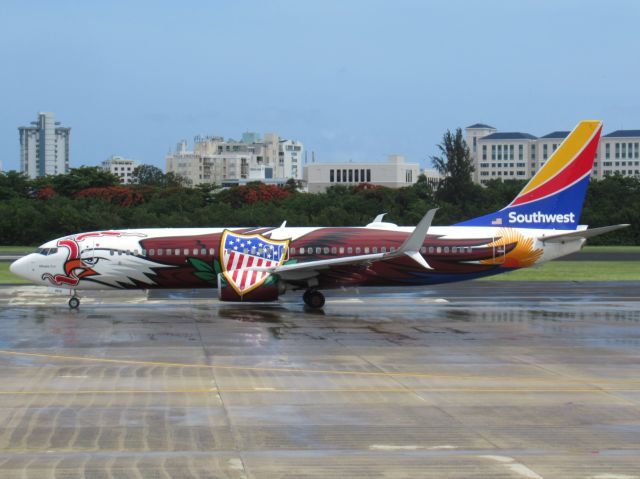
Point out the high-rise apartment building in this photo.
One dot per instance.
(515, 155)
(215, 160)
(44, 147)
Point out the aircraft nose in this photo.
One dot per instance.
(20, 267)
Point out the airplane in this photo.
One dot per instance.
(260, 264)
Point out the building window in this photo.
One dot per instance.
(544, 152)
(493, 152)
(368, 176)
(499, 152)
(617, 151)
(607, 151)
(484, 152)
(520, 152)
(624, 150)
(350, 176)
(331, 176)
(344, 176)
(511, 152)
(533, 152)
(635, 154)
(356, 176)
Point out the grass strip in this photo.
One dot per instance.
(575, 271)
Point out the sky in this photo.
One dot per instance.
(352, 79)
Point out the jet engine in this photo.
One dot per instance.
(268, 290)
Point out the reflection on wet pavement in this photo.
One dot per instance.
(472, 380)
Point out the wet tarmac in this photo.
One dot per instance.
(480, 379)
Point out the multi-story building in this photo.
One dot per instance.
(121, 167)
(395, 173)
(619, 152)
(504, 155)
(514, 155)
(227, 162)
(44, 147)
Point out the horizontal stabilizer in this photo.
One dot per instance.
(584, 234)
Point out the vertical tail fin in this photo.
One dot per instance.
(553, 198)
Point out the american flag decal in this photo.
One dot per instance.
(240, 252)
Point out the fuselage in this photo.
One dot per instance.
(193, 257)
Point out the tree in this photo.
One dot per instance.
(456, 167)
(148, 175)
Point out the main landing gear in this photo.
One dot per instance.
(313, 298)
(74, 301)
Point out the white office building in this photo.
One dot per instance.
(395, 173)
(619, 153)
(515, 155)
(44, 147)
(215, 160)
(121, 167)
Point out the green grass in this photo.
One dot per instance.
(7, 277)
(17, 249)
(611, 249)
(575, 271)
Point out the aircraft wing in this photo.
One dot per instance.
(411, 248)
(584, 234)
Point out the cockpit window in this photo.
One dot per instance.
(46, 251)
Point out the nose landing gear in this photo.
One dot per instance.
(74, 301)
(313, 298)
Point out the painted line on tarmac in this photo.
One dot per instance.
(47, 392)
(131, 362)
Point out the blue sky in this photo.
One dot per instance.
(351, 79)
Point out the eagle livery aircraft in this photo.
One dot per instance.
(259, 264)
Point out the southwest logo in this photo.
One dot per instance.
(540, 217)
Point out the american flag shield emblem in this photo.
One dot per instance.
(241, 252)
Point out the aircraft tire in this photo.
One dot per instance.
(314, 299)
(74, 303)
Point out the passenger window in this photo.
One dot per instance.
(212, 251)
(152, 251)
(318, 250)
(446, 249)
(423, 249)
(341, 250)
(195, 251)
(431, 249)
(144, 252)
(203, 251)
(366, 250)
(334, 250)
(375, 249)
(350, 250)
(358, 249)
(438, 249)
(326, 250)
(135, 252)
(186, 251)
(454, 249)
(111, 252)
(392, 249)
(119, 252)
(292, 251)
(177, 252)
(383, 249)
(160, 251)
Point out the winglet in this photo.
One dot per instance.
(411, 246)
(378, 219)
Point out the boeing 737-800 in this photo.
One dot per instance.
(260, 264)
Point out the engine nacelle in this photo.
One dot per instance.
(268, 290)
